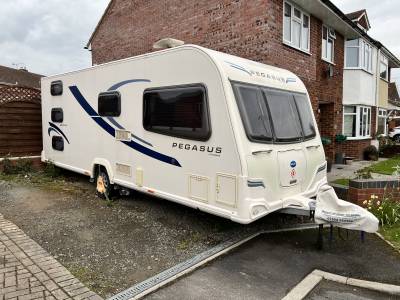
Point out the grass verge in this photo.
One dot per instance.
(342, 181)
(392, 234)
(386, 167)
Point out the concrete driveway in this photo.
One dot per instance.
(269, 266)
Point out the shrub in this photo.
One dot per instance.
(363, 173)
(17, 166)
(50, 170)
(326, 141)
(371, 153)
(387, 211)
(340, 138)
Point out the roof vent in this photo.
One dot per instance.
(167, 43)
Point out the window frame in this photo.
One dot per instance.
(362, 47)
(382, 114)
(300, 21)
(181, 135)
(384, 61)
(359, 114)
(110, 93)
(329, 36)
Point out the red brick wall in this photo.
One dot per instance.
(251, 29)
(358, 196)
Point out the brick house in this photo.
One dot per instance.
(305, 37)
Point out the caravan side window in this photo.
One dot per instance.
(57, 115)
(180, 111)
(109, 104)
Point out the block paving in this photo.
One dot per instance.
(27, 271)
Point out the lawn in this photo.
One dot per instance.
(392, 234)
(386, 167)
(342, 181)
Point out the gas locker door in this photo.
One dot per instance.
(226, 189)
(292, 167)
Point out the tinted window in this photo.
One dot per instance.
(306, 117)
(56, 88)
(285, 119)
(57, 143)
(109, 104)
(57, 115)
(274, 115)
(178, 111)
(254, 112)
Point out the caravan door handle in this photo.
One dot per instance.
(313, 146)
(261, 151)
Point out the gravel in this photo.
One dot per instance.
(112, 247)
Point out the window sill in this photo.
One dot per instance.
(295, 48)
(328, 62)
(359, 138)
(359, 69)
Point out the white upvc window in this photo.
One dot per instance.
(296, 27)
(384, 68)
(356, 121)
(359, 55)
(328, 43)
(382, 122)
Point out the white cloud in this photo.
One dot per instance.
(48, 36)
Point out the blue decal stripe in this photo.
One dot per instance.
(82, 101)
(58, 130)
(143, 141)
(119, 84)
(116, 124)
(107, 127)
(238, 67)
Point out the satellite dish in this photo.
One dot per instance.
(167, 43)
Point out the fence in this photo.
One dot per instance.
(20, 121)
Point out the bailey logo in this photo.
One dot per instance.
(293, 164)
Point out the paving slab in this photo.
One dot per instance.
(328, 290)
(269, 266)
(27, 271)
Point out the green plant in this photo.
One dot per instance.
(50, 170)
(340, 138)
(326, 141)
(364, 173)
(387, 210)
(17, 166)
(370, 153)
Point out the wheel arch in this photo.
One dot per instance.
(101, 162)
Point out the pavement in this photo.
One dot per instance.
(27, 271)
(269, 266)
(348, 171)
(328, 290)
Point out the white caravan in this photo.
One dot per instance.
(219, 133)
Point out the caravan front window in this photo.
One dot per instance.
(271, 115)
(254, 113)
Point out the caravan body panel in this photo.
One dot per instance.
(223, 173)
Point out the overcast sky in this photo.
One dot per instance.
(48, 36)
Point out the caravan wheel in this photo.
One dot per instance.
(103, 185)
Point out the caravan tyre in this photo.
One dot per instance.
(103, 185)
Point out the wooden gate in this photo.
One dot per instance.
(20, 121)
